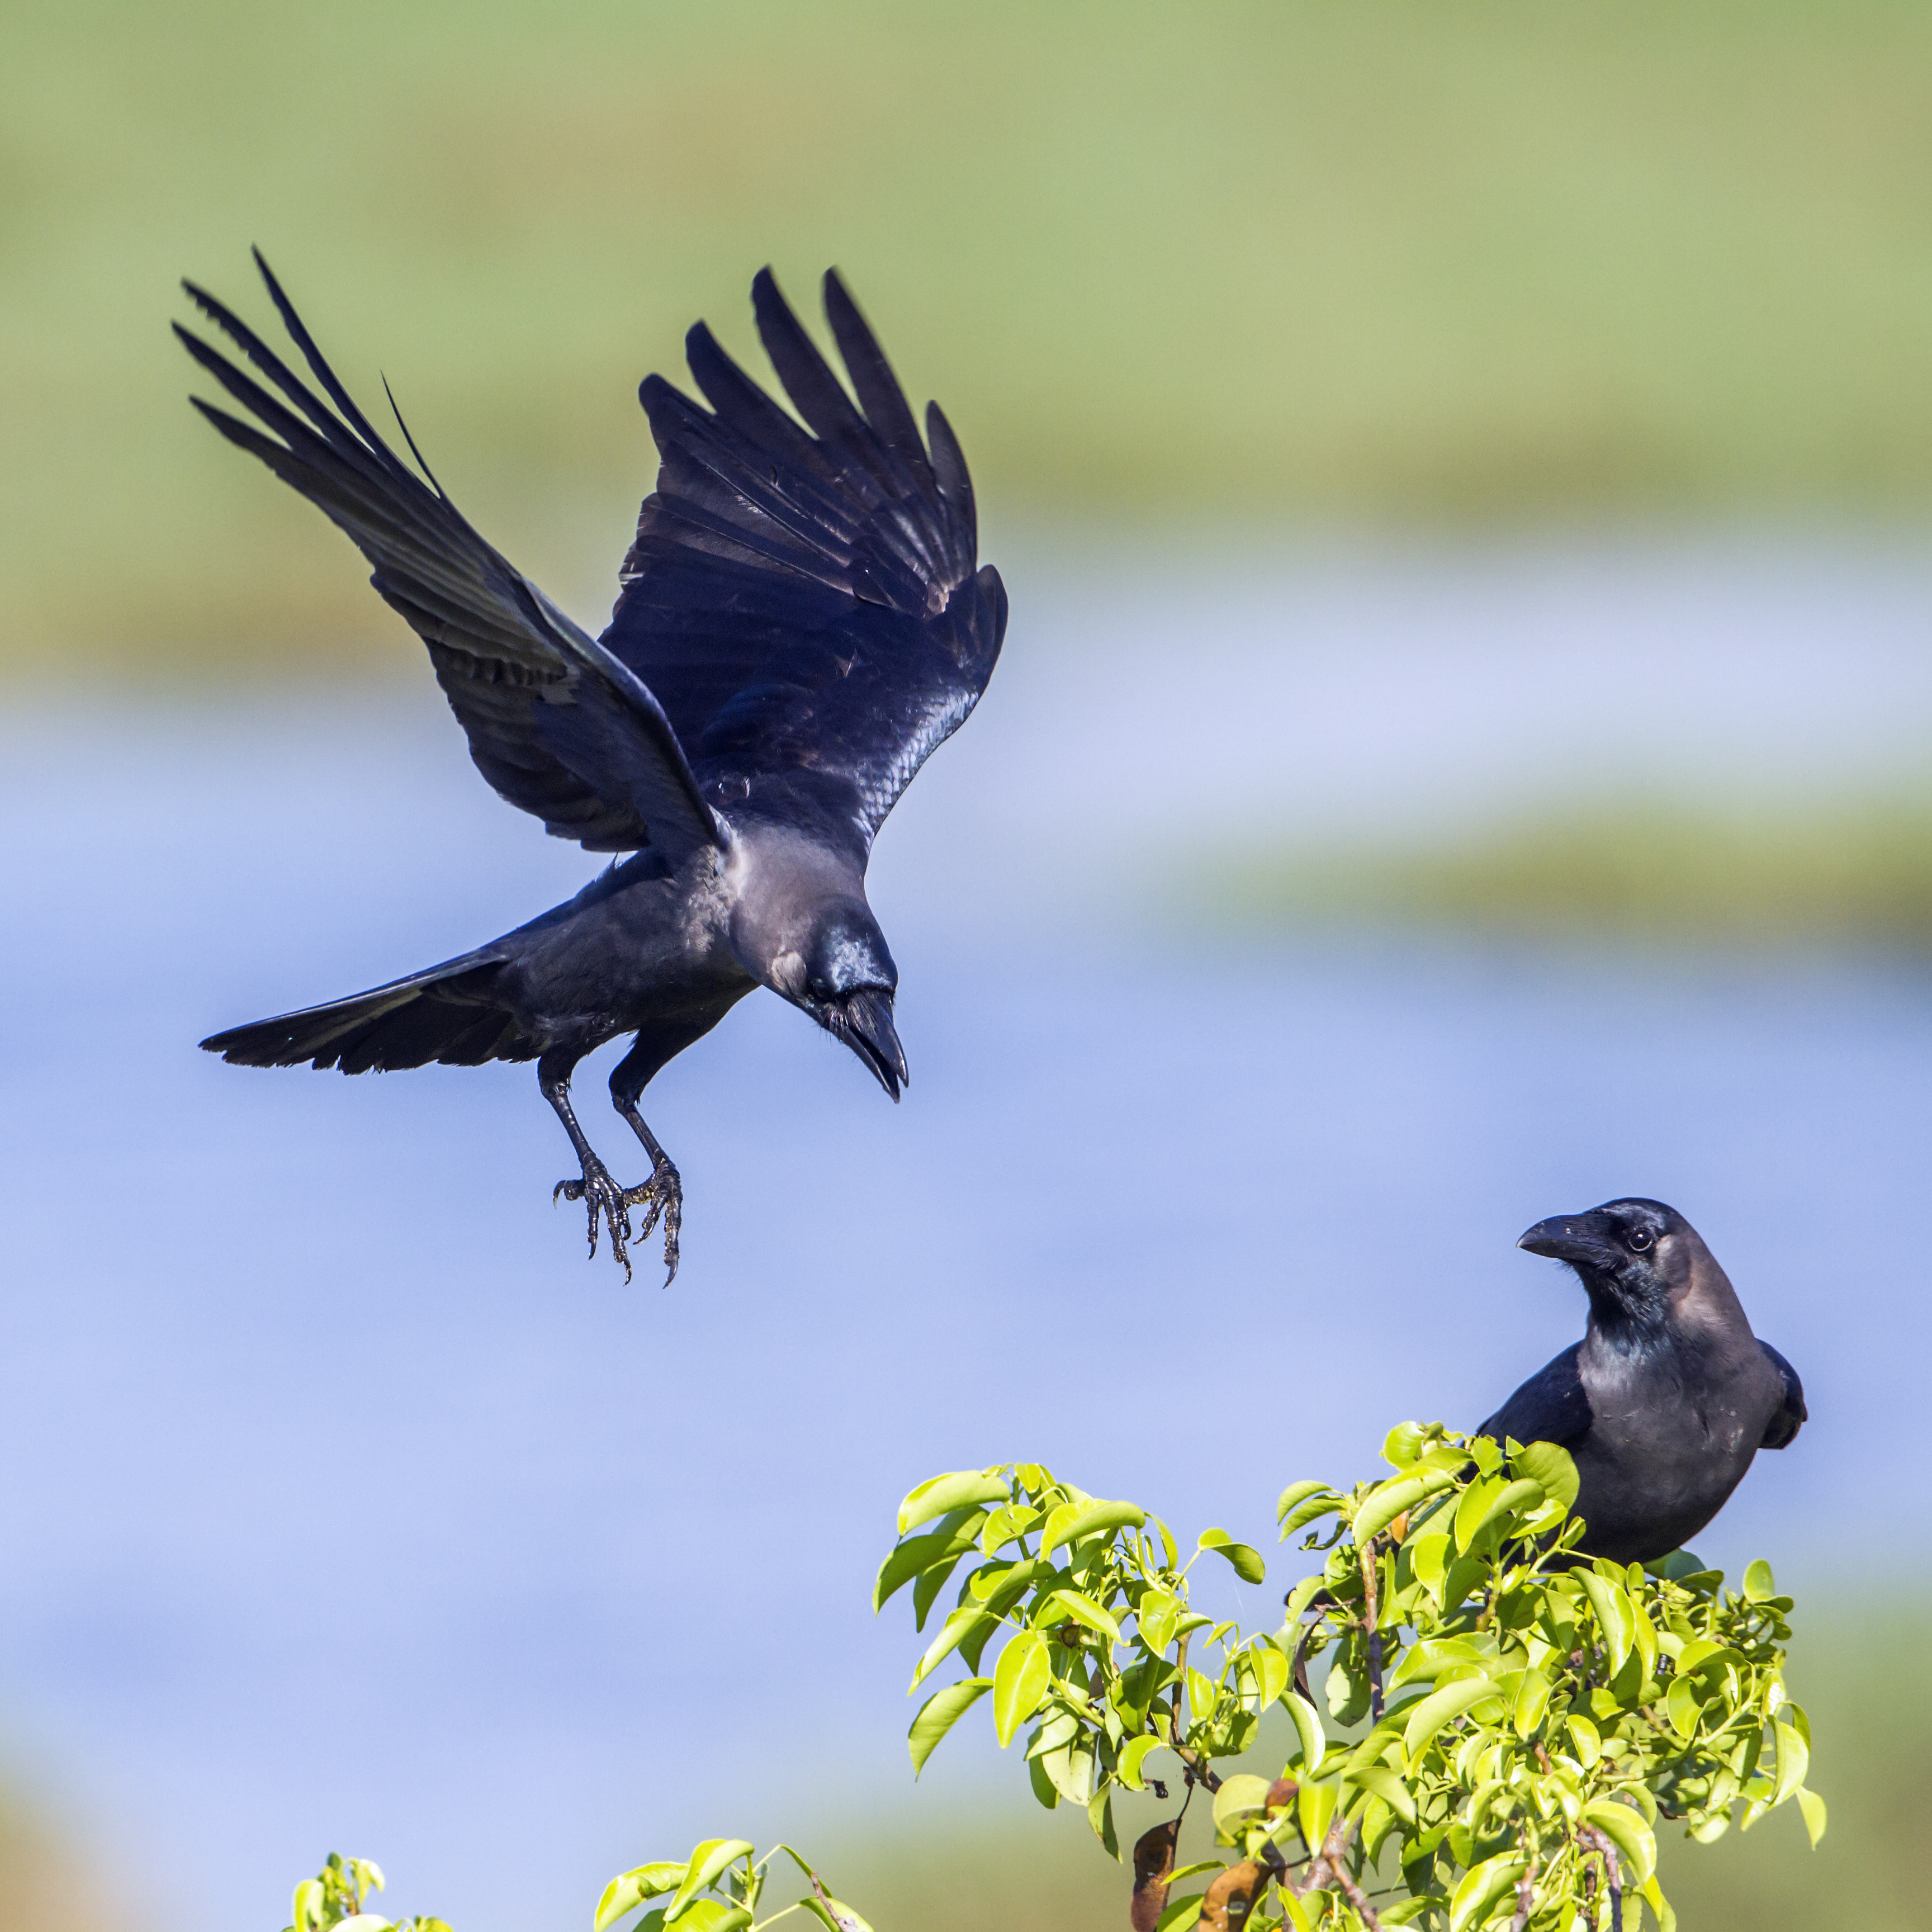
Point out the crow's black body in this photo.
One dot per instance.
(801, 622)
(1669, 1395)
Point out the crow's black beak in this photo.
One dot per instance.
(863, 1021)
(1587, 1238)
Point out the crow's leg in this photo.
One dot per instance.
(664, 1192)
(597, 1190)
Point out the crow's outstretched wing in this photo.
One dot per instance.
(1782, 1429)
(1551, 1407)
(805, 600)
(556, 723)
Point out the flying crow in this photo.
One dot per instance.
(1669, 1395)
(801, 622)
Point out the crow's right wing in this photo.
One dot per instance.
(1552, 1406)
(556, 723)
(1782, 1429)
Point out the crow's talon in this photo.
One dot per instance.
(602, 1195)
(661, 1196)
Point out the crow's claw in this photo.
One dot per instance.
(662, 1194)
(602, 1195)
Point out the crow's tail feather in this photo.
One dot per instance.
(447, 1014)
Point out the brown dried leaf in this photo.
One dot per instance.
(1282, 1793)
(1153, 1860)
(1231, 1897)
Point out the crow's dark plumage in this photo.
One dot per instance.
(802, 621)
(1668, 1397)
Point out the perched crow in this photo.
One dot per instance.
(1669, 1395)
(800, 624)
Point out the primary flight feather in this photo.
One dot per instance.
(802, 621)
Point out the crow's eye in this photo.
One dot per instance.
(1639, 1239)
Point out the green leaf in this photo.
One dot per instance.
(1156, 1614)
(1400, 1446)
(1551, 1467)
(963, 1623)
(1473, 1506)
(1181, 1914)
(1299, 1492)
(1612, 1607)
(1073, 1523)
(1532, 1701)
(1134, 1753)
(939, 1713)
(1438, 1709)
(948, 1542)
(960, 1489)
(1681, 1707)
(1326, 1502)
(927, 1587)
(835, 1915)
(1758, 1583)
(706, 1914)
(1071, 1771)
(1482, 1885)
(629, 1889)
(1384, 1783)
(1239, 1795)
(1271, 1667)
(1308, 1727)
(1314, 1805)
(1387, 1501)
(1793, 1760)
(1066, 1605)
(1626, 1830)
(1100, 1816)
(1247, 1562)
(1586, 1737)
(708, 1861)
(1522, 1495)
(1812, 1808)
(1020, 1680)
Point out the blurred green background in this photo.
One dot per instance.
(1176, 272)
(1185, 267)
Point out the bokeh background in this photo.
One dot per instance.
(1462, 476)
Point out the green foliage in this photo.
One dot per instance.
(1857, 870)
(1532, 1713)
(717, 1889)
(337, 1896)
(1251, 259)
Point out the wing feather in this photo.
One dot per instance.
(802, 594)
(556, 723)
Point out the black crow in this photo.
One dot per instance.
(1669, 1395)
(801, 622)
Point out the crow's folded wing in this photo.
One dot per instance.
(1552, 1406)
(1782, 1429)
(805, 600)
(558, 725)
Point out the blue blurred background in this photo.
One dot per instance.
(1410, 445)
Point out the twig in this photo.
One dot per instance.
(1335, 1856)
(1369, 1621)
(1599, 1842)
(1525, 1895)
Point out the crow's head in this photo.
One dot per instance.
(1634, 1257)
(843, 976)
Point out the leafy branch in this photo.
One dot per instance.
(1531, 1713)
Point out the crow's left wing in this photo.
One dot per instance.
(1782, 1429)
(804, 601)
